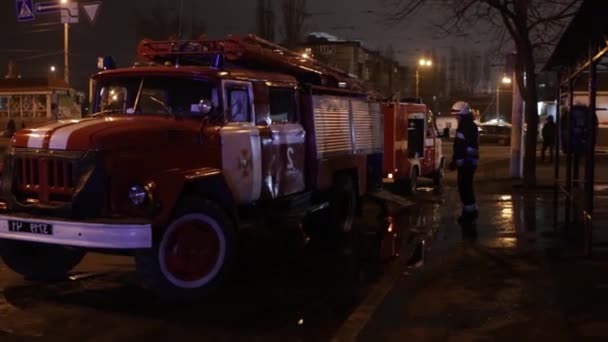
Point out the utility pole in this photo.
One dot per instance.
(425, 63)
(497, 102)
(66, 42)
(417, 83)
(66, 53)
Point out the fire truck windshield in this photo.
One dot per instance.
(154, 95)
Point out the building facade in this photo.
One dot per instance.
(381, 75)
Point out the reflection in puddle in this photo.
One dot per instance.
(502, 242)
(506, 213)
(516, 215)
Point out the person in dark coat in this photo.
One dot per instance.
(466, 159)
(548, 132)
(11, 128)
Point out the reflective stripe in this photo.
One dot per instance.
(472, 151)
(468, 161)
(470, 208)
(459, 135)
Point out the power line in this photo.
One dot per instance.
(40, 56)
(7, 50)
(19, 33)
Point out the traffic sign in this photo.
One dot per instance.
(91, 9)
(25, 10)
(69, 13)
(47, 7)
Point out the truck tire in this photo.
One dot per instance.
(194, 254)
(343, 203)
(439, 174)
(412, 182)
(37, 261)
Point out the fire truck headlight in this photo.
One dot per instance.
(138, 195)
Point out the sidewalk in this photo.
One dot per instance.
(512, 283)
(499, 170)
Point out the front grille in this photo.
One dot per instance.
(69, 184)
(44, 179)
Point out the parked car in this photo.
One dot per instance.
(495, 134)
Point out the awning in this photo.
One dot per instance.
(589, 25)
(8, 85)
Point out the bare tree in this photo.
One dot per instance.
(163, 22)
(531, 26)
(294, 19)
(265, 19)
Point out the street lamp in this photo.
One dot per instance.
(505, 80)
(53, 69)
(422, 63)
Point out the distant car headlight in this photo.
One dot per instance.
(138, 195)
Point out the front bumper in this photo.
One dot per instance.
(102, 235)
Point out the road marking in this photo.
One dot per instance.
(364, 312)
(358, 319)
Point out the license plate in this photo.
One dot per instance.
(30, 227)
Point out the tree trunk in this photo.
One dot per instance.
(531, 115)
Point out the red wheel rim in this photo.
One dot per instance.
(192, 250)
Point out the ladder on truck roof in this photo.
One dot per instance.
(250, 52)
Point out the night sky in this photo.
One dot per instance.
(39, 44)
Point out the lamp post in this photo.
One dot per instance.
(66, 46)
(422, 63)
(505, 80)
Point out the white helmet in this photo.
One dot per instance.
(461, 108)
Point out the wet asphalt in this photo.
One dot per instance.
(280, 291)
(513, 281)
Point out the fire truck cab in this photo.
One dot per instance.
(184, 149)
(412, 147)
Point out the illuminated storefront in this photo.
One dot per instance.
(33, 102)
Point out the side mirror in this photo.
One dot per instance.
(205, 106)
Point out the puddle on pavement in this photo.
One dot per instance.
(314, 291)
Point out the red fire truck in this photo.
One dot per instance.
(412, 147)
(196, 140)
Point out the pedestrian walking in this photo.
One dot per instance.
(466, 159)
(548, 133)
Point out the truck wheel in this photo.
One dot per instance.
(439, 174)
(37, 261)
(343, 203)
(412, 182)
(194, 254)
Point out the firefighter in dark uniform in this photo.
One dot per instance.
(466, 159)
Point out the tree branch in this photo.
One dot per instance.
(563, 14)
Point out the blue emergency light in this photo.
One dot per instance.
(106, 63)
(218, 60)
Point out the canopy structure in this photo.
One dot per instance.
(580, 58)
